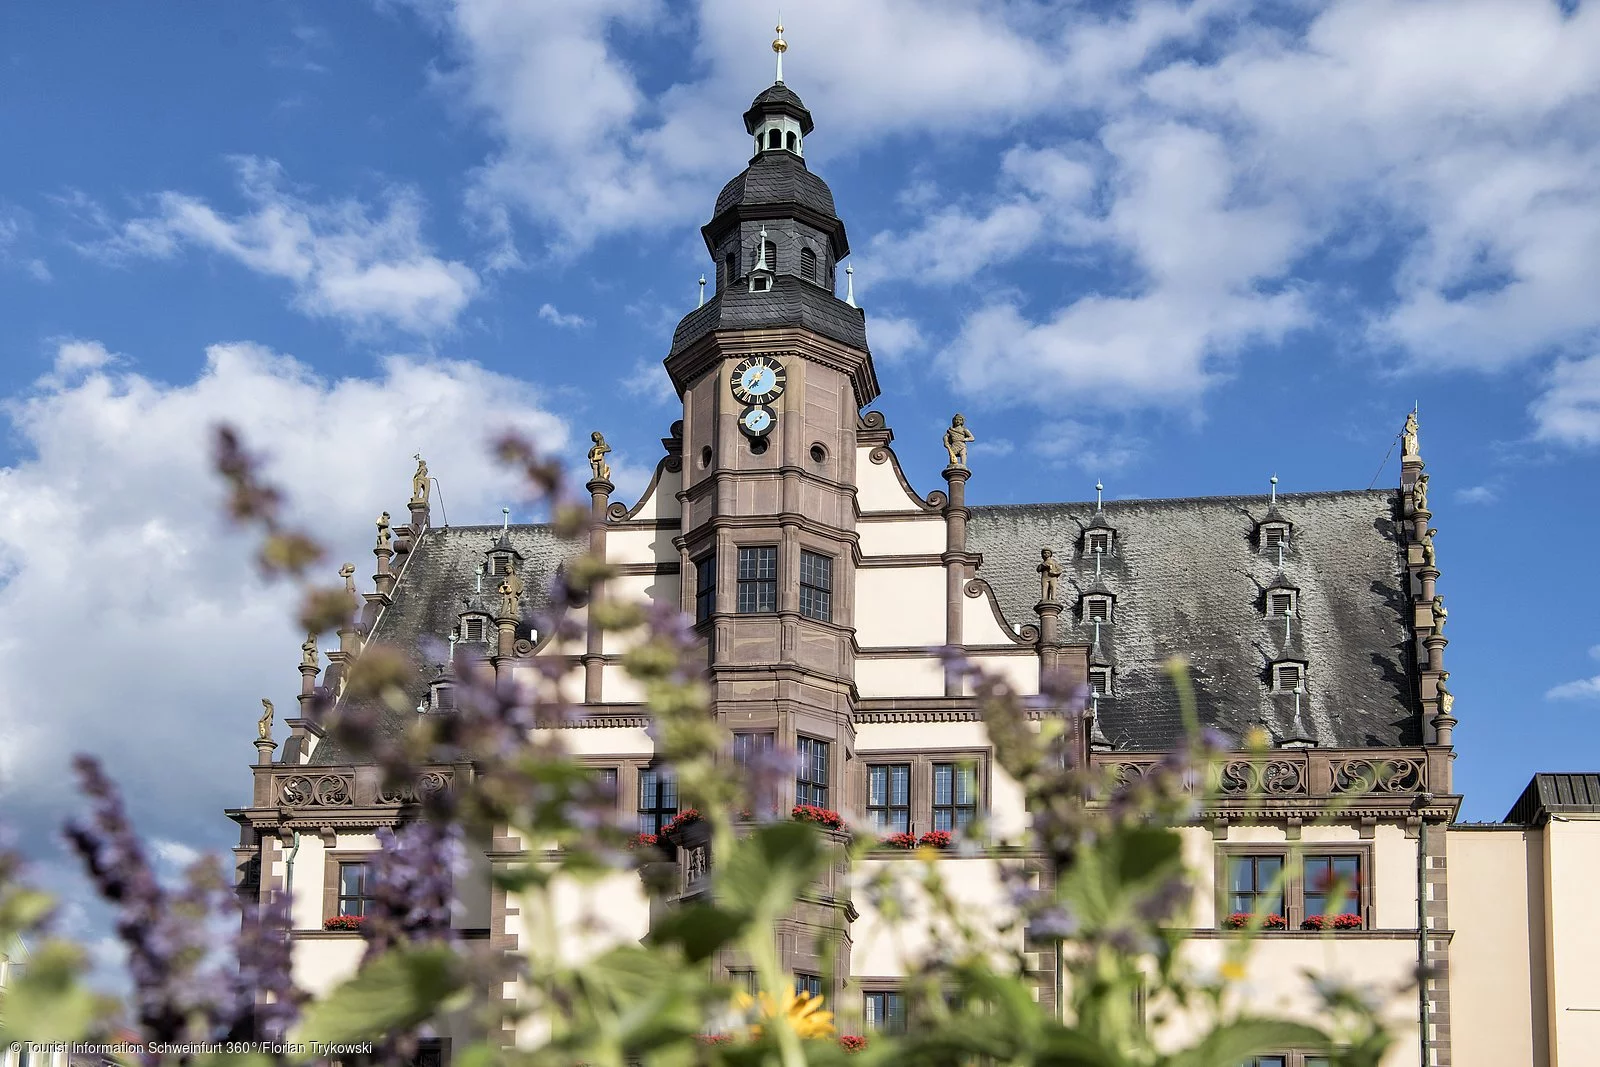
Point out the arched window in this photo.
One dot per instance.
(730, 269)
(775, 139)
(766, 255)
(790, 142)
(808, 264)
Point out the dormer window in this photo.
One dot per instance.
(1288, 677)
(1100, 681)
(1097, 542)
(1097, 609)
(474, 628)
(808, 264)
(499, 564)
(1280, 603)
(1275, 537)
(790, 141)
(774, 138)
(760, 283)
(443, 696)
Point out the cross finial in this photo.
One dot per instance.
(1098, 498)
(1274, 499)
(702, 291)
(850, 286)
(505, 519)
(779, 46)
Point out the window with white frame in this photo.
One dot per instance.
(1100, 681)
(1274, 536)
(1097, 541)
(474, 628)
(1280, 603)
(1097, 609)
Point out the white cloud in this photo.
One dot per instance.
(139, 625)
(649, 381)
(550, 314)
(16, 233)
(344, 261)
(1092, 449)
(891, 337)
(1477, 494)
(1582, 689)
(1568, 411)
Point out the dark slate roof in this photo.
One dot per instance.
(777, 178)
(790, 302)
(436, 585)
(1553, 794)
(1188, 579)
(778, 97)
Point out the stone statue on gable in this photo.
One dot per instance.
(419, 481)
(956, 439)
(1049, 577)
(264, 724)
(597, 457)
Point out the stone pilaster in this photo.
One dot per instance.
(955, 565)
(594, 662)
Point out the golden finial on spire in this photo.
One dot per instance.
(780, 46)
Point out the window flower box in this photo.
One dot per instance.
(854, 1043)
(687, 829)
(901, 841)
(936, 839)
(1346, 921)
(1240, 920)
(821, 816)
(351, 923)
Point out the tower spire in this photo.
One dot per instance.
(779, 46)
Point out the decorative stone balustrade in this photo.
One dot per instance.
(1296, 772)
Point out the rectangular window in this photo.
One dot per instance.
(811, 787)
(955, 795)
(886, 1012)
(501, 567)
(605, 779)
(889, 797)
(1099, 541)
(1273, 537)
(1267, 1061)
(658, 799)
(758, 580)
(744, 981)
(808, 983)
(1100, 680)
(1253, 884)
(355, 888)
(472, 628)
(1099, 609)
(705, 587)
(1280, 604)
(816, 586)
(1333, 885)
(1288, 677)
(749, 746)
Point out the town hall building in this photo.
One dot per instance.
(824, 584)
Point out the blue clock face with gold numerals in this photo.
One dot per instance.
(758, 420)
(758, 380)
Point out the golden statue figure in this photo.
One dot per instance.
(1439, 615)
(1447, 699)
(309, 656)
(1049, 577)
(264, 724)
(1419, 493)
(1428, 557)
(597, 457)
(1408, 436)
(419, 481)
(510, 594)
(955, 441)
(383, 530)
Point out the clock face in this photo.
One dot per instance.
(758, 380)
(757, 421)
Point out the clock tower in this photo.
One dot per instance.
(773, 371)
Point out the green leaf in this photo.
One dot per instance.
(402, 987)
(1147, 852)
(700, 928)
(764, 873)
(1233, 1043)
(49, 999)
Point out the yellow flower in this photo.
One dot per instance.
(1233, 970)
(802, 1010)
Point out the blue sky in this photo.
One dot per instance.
(1176, 246)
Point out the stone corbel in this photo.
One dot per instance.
(1367, 827)
(330, 837)
(1219, 829)
(1291, 828)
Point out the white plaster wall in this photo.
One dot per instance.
(636, 544)
(979, 625)
(569, 687)
(900, 607)
(305, 909)
(911, 676)
(320, 965)
(1497, 1003)
(617, 686)
(604, 741)
(628, 589)
(1572, 870)
(877, 489)
(881, 949)
(1274, 983)
(1020, 672)
(663, 503)
(902, 537)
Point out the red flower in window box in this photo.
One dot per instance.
(854, 1042)
(905, 841)
(1239, 920)
(643, 841)
(686, 817)
(344, 922)
(715, 1039)
(1346, 921)
(821, 816)
(936, 839)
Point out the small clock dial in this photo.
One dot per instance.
(757, 421)
(758, 380)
